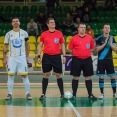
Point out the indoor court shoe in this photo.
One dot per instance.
(9, 96)
(43, 97)
(62, 97)
(92, 97)
(115, 95)
(101, 96)
(74, 97)
(28, 96)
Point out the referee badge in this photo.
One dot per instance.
(88, 46)
(56, 40)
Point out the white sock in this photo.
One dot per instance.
(26, 84)
(10, 84)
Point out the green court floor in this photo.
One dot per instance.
(56, 102)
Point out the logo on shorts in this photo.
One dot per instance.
(25, 69)
(17, 43)
(88, 46)
(56, 40)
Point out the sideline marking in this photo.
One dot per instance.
(74, 109)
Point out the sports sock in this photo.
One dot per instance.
(10, 84)
(74, 86)
(26, 84)
(113, 85)
(60, 85)
(44, 85)
(88, 84)
(101, 85)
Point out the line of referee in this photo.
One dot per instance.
(53, 42)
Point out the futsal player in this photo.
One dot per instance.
(17, 39)
(105, 44)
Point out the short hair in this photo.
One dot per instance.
(47, 22)
(106, 24)
(14, 18)
(81, 23)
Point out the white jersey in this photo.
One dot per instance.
(16, 41)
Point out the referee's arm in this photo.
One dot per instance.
(40, 48)
(63, 49)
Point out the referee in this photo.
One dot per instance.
(80, 47)
(53, 42)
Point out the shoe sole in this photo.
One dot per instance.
(29, 98)
(93, 98)
(101, 98)
(42, 99)
(8, 98)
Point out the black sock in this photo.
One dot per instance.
(60, 85)
(88, 84)
(74, 86)
(101, 85)
(44, 85)
(113, 84)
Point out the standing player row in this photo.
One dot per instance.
(80, 47)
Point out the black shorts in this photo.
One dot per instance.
(50, 62)
(105, 65)
(79, 64)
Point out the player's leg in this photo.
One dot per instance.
(22, 70)
(44, 84)
(111, 73)
(113, 85)
(26, 83)
(10, 84)
(56, 63)
(76, 67)
(11, 73)
(60, 84)
(46, 67)
(101, 86)
(88, 72)
(75, 82)
(101, 73)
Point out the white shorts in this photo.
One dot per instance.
(17, 64)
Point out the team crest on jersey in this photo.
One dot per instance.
(56, 40)
(88, 46)
(17, 43)
(22, 35)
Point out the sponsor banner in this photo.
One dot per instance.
(68, 63)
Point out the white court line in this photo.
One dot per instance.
(74, 109)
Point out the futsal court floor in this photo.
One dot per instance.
(53, 106)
